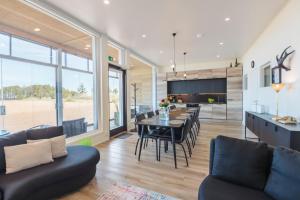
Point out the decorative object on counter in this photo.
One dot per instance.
(174, 54)
(287, 120)
(252, 64)
(172, 99)
(231, 65)
(164, 109)
(283, 57)
(179, 100)
(236, 63)
(277, 88)
(258, 108)
(210, 100)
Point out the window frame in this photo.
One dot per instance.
(58, 75)
(263, 75)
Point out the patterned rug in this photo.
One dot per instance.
(129, 192)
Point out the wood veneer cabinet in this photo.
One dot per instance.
(272, 132)
(235, 93)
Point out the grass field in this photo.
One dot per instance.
(24, 114)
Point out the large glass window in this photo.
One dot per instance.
(4, 44)
(28, 95)
(30, 50)
(77, 62)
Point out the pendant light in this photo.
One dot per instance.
(184, 55)
(174, 56)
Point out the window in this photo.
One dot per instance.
(4, 44)
(28, 95)
(245, 82)
(266, 75)
(30, 50)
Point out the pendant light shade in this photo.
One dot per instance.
(184, 56)
(174, 53)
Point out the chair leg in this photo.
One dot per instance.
(156, 148)
(187, 162)
(159, 142)
(137, 144)
(189, 147)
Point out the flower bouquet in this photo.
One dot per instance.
(164, 109)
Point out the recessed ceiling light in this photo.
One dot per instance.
(161, 52)
(88, 45)
(227, 19)
(37, 29)
(86, 48)
(221, 43)
(218, 56)
(199, 35)
(144, 36)
(106, 2)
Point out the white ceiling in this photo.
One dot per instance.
(126, 20)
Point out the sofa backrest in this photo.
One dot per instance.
(23, 136)
(10, 140)
(241, 162)
(44, 133)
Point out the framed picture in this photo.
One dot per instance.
(276, 75)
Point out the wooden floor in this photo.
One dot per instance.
(119, 164)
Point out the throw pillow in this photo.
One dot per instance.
(284, 179)
(26, 156)
(58, 146)
(241, 162)
(44, 133)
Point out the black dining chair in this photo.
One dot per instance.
(180, 138)
(172, 107)
(150, 114)
(157, 112)
(148, 133)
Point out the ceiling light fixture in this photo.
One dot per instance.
(144, 36)
(106, 2)
(37, 29)
(88, 45)
(174, 54)
(184, 56)
(221, 43)
(161, 51)
(227, 19)
(86, 48)
(218, 56)
(199, 35)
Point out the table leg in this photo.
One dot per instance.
(141, 143)
(174, 146)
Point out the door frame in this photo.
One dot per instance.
(123, 128)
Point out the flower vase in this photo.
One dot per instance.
(164, 113)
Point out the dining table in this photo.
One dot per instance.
(176, 120)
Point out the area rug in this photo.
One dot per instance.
(130, 192)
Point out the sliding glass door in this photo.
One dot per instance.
(117, 102)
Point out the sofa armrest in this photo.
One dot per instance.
(211, 155)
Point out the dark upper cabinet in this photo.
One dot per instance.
(197, 86)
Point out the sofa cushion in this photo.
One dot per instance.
(58, 145)
(284, 179)
(20, 185)
(10, 140)
(25, 156)
(44, 133)
(241, 162)
(215, 189)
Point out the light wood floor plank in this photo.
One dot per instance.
(119, 164)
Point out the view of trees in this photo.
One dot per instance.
(39, 92)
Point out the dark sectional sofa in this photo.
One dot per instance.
(245, 170)
(47, 181)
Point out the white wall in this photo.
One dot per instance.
(283, 31)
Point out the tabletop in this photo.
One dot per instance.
(176, 118)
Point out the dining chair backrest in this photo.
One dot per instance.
(192, 105)
(139, 118)
(172, 107)
(150, 114)
(186, 129)
(157, 112)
